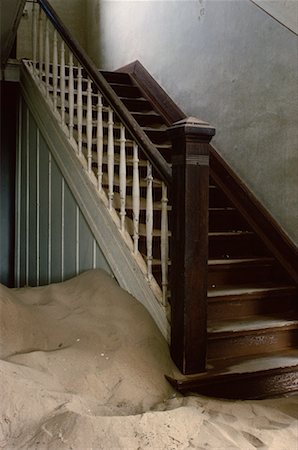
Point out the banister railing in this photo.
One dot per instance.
(162, 168)
(133, 179)
(128, 171)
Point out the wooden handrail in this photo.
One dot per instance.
(161, 166)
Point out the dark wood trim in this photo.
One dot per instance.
(190, 201)
(159, 163)
(255, 214)
(244, 386)
(156, 95)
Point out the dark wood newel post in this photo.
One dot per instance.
(189, 253)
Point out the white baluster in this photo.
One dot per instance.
(40, 55)
(149, 220)
(89, 125)
(110, 157)
(62, 82)
(34, 35)
(99, 142)
(71, 95)
(164, 243)
(135, 198)
(80, 110)
(122, 177)
(55, 68)
(47, 56)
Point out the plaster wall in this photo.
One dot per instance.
(227, 62)
(285, 11)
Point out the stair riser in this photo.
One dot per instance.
(226, 220)
(127, 91)
(250, 343)
(149, 120)
(246, 386)
(240, 275)
(226, 309)
(217, 199)
(136, 105)
(158, 137)
(235, 246)
(117, 77)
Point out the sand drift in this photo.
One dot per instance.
(82, 366)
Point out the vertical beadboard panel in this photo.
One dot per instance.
(23, 197)
(18, 198)
(37, 208)
(70, 233)
(56, 220)
(54, 240)
(86, 245)
(43, 211)
(31, 183)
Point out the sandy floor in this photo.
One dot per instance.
(82, 367)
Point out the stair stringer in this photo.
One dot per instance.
(116, 251)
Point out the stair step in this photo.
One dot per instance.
(126, 90)
(226, 219)
(260, 323)
(142, 230)
(156, 205)
(128, 143)
(157, 135)
(116, 77)
(235, 244)
(217, 198)
(136, 104)
(148, 119)
(228, 271)
(246, 378)
(233, 302)
(251, 336)
(129, 181)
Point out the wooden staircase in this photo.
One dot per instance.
(126, 131)
(252, 301)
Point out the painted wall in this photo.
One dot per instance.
(227, 62)
(285, 11)
(54, 242)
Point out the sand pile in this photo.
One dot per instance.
(82, 367)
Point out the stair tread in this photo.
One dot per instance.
(249, 289)
(240, 261)
(250, 364)
(225, 208)
(129, 204)
(250, 324)
(250, 377)
(230, 233)
(256, 363)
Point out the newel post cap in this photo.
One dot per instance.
(192, 126)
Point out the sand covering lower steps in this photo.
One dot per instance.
(82, 366)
